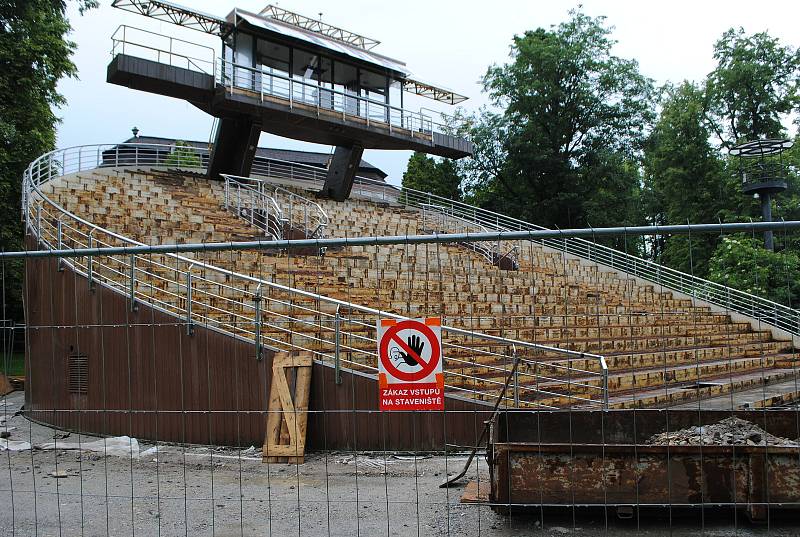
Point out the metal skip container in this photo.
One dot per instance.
(595, 459)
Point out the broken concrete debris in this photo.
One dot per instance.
(731, 431)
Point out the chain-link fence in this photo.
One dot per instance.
(235, 389)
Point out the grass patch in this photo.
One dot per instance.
(16, 365)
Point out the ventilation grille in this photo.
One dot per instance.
(78, 373)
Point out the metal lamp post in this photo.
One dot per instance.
(763, 173)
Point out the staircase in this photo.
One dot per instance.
(660, 349)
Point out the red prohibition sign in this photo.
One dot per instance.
(392, 335)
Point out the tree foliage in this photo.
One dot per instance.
(183, 155)
(568, 104)
(754, 84)
(685, 178)
(689, 178)
(35, 54)
(743, 263)
(429, 175)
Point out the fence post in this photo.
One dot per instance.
(59, 233)
(516, 377)
(89, 264)
(337, 368)
(189, 328)
(257, 306)
(604, 368)
(132, 278)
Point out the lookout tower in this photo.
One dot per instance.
(286, 74)
(763, 174)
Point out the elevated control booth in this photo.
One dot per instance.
(289, 75)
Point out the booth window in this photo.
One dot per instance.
(373, 87)
(272, 62)
(305, 68)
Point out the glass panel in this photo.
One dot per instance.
(227, 54)
(305, 67)
(327, 99)
(272, 60)
(396, 102)
(244, 78)
(373, 88)
(345, 79)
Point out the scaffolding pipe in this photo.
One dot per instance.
(533, 235)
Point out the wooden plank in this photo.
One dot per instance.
(285, 440)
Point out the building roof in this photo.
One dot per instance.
(279, 28)
(311, 158)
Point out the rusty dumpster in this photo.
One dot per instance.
(584, 459)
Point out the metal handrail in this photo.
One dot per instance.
(443, 222)
(119, 44)
(299, 91)
(255, 206)
(764, 310)
(313, 217)
(187, 288)
(295, 90)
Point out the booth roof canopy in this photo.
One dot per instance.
(318, 40)
(168, 11)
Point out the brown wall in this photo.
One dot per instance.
(148, 379)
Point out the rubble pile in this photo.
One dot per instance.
(728, 432)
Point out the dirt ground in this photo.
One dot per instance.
(146, 490)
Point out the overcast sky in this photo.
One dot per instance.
(447, 42)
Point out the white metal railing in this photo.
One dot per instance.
(734, 300)
(761, 309)
(163, 49)
(256, 200)
(278, 316)
(266, 83)
(306, 94)
(303, 213)
(440, 219)
(249, 201)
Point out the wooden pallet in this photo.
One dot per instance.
(288, 407)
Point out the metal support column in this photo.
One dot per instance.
(257, 329)
(337, 368)
(766, 216)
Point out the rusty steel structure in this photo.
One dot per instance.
(592, 459)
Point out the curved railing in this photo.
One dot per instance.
(760, 309)
(253, 205)
(302, 212)
(439, 219)
(277, 316)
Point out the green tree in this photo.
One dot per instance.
(35, 54)
(183, 156)
(743, 263)
(565, 98)
(616, 199)
(753, 87)
(429, 175)
(685, 178)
